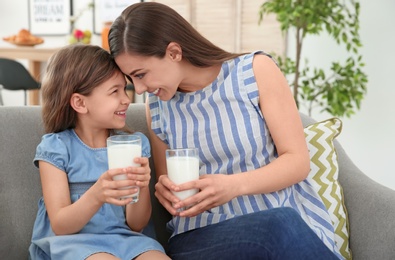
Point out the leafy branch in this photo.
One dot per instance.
(341, 91)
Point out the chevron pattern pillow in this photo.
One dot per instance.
(324, 177)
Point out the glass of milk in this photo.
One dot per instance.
(183, 166)
(121, 151)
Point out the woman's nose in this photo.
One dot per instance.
(139, 87)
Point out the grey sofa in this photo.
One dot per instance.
(371, 207)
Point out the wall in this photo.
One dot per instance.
(367, 136)
(236, 20)
(13, 16)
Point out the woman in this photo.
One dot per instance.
(254, 200)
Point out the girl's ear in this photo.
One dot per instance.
(174, 51)
(77, 102)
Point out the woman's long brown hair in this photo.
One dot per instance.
(147, 28)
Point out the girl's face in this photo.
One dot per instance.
(160, 76)
(107, 104)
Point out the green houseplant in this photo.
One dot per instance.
(340, 91)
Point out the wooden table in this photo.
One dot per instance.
(35, 56)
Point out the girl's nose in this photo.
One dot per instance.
(126, 100)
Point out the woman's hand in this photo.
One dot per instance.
(215, 190)
(163, 193)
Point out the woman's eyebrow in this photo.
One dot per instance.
(134, 71)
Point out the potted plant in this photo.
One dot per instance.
(339, 92)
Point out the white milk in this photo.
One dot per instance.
(183, 169)
(121, 156)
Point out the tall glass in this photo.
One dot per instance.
(121, 151)
(183, 166)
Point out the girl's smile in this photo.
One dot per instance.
(121, 113)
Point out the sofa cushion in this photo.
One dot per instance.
(324, 174)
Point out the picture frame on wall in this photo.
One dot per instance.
(50, 17)
(106, 11)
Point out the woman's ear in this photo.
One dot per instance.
(77, 102)
(174, 51)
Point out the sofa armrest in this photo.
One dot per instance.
(371, 211)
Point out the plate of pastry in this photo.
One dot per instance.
(24, 38)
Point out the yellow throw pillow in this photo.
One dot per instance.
(324, 174)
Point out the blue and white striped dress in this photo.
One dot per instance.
(225, 122)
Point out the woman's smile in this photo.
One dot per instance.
(156, 91)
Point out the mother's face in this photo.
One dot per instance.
(160, 76)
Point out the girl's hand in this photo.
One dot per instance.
(215, 190)
(108, 190)
(140, 175)
(163, 193)
(138, 214)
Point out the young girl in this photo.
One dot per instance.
(254, 201)
(80, 215)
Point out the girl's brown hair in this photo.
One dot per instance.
(73, 69)
(147, 28)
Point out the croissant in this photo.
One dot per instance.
(24, 37)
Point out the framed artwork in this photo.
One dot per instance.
(105, 11)
(49, 17)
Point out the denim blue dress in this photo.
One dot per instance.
(107, 230)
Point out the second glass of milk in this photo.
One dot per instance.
(183, 166)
